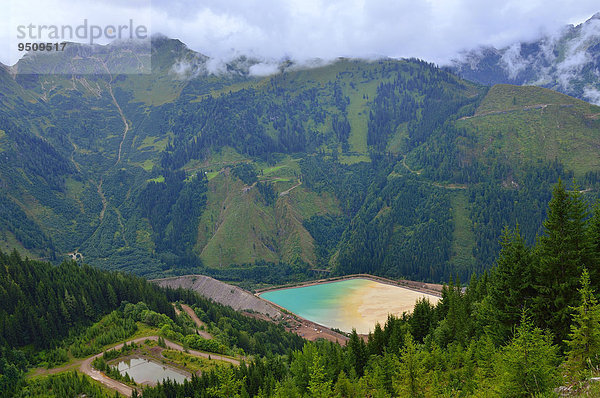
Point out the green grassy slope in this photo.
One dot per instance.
(236, 228)
(463, 238)
(197, 123)
(528, 123)
(239, 227)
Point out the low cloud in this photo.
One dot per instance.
(264, 69)
(302, 30)
(513, 62)
(326, 29)
(185, 69)
(592, 95)
(576, 55)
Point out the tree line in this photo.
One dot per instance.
(529, 325)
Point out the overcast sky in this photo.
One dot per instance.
(434, 30)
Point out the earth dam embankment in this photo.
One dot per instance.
(222, 293)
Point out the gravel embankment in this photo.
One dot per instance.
(221, 292)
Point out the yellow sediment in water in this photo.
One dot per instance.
(353, 303)
(374, 301)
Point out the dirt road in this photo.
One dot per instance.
(86, 368)
(304, 328)
(85, 365)
(201, 325)
(287, 191)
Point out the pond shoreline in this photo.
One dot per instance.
(170, 365)
(421, 287)
(346, 303)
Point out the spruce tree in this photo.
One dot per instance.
(563, 251)
(421, 319)
(318, 385)
(594, 239)
(409, 382)
(584, 339)
(457, 324)
(527, 366)
(357, 352)
(511, 286)
(580, 227)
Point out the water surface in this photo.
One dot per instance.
(143, 371)
(352, 303)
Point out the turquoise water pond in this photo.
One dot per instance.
(323, 303)
(349, 304)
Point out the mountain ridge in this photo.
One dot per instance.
(317, 158)
(567, 61)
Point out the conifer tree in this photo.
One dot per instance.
(527, 367)
(229, 386)
(344, 387)
(318, 385)
(456, 323)
(511, 286)
(594, 239)
(286, 389)
(410, 378)
(421, 319)
(564, 250)
(580, 226)
(357, 352)
(584, 339)
(376, 341)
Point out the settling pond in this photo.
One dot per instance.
(143, 371)
(352, 303)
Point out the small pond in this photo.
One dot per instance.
(143, 371)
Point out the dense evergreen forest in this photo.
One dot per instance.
(50, 314)
(526, 327)
(41, 302)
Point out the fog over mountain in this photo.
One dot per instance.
(567, 61)
(274, 30)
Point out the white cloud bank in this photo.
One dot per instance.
(435, 30)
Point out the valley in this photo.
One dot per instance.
(148, 350)
(344, 228)
(295, 172)
(367, 300)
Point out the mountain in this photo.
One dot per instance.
(536, 123)
(118, 57)
(394, 167)
(389, 167)
(567, 61)
(63, 330)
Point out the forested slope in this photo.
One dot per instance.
(525, 328)
(529, 327)
(395, 167)
(52, 315)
